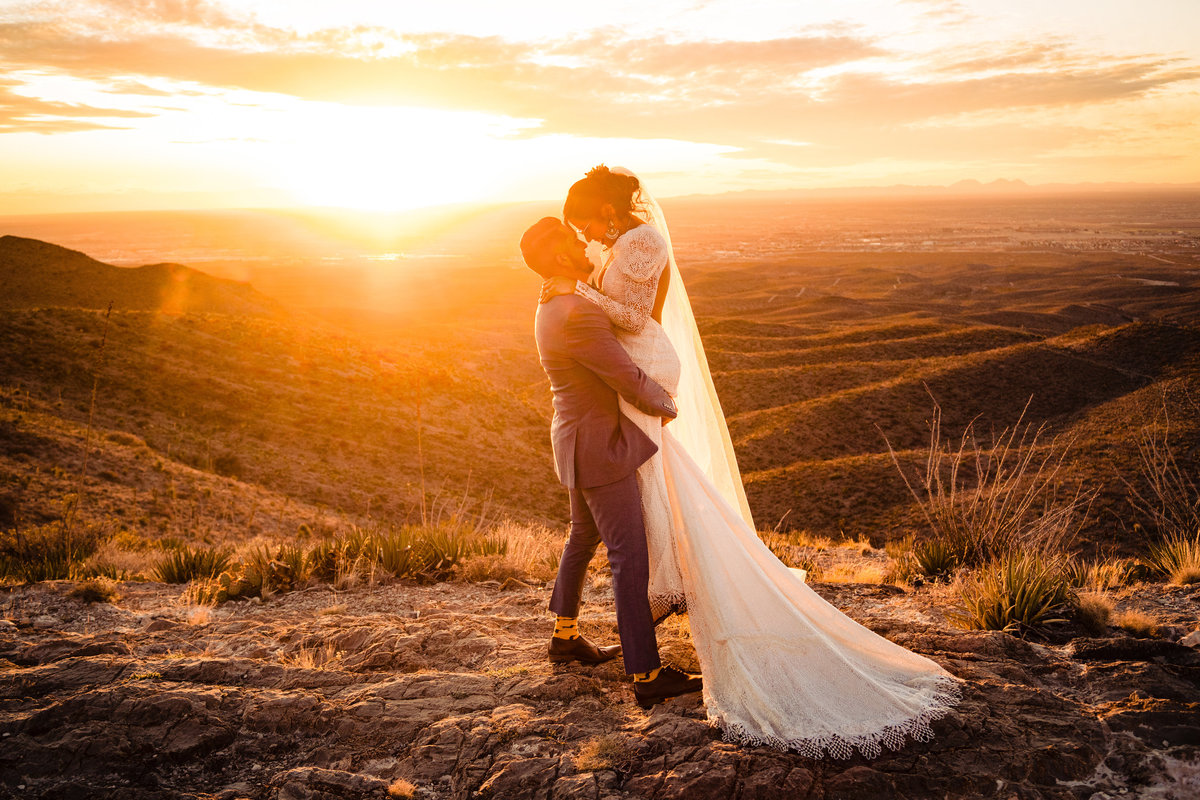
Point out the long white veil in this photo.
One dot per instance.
(700, 428)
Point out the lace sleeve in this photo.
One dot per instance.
(630, 316)
(640, 258)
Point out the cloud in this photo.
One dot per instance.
(844, 94)
(19, 113)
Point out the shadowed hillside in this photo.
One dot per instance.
(818, 356)
(304, 414)
(34, 273)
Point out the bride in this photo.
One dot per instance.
(781, 665)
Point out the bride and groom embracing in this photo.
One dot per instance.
(641, 443)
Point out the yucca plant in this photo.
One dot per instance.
(1177, 558)
(185, 564)
(396, 553)
(439, 551)
(103, 570)
(47, 552)
(937, 558)
(1016, 593)
(489, 545)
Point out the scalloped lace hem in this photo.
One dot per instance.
(664, 605)
(948, 693)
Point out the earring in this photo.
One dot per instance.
(612, 233)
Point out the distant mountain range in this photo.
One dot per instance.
(34, 273)
(969, 186)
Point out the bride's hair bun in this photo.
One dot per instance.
(602, 186)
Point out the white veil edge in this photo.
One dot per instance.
(700, 428)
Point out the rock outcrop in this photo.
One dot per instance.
(443, 692)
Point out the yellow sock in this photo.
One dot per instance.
(646, 677)
(566, 628)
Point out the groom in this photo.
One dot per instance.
(597, 451)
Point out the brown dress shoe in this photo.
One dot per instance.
(671, 682)
(581, 650)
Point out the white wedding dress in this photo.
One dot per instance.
(781, 665)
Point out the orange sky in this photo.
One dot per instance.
(136, 104)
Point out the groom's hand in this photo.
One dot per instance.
(553, 287)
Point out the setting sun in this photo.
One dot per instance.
(377, 106)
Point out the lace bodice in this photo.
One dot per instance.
(629, 280)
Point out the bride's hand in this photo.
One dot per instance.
(553, 287)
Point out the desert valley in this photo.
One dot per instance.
(293, 396)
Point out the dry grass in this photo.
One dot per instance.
(530, 554)
(850, 573)
(1094, 611)
(1137, 623)
(1177, 558)
(402, 789)
(198, 615)
(602, 752)
(96, 590)
(114, 555)
(325, 656)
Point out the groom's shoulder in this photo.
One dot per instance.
(568, 308)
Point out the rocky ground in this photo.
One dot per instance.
(443, 691)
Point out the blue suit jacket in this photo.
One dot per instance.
(594, 444)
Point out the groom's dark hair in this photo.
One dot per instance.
(542, 244)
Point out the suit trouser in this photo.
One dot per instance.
(613, 514)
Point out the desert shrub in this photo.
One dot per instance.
(128, 439)
(9, 508)
(1177, 558)
(1094, 612)
(1016, 593)
(988, 503)
(396, 554)
(185, 564)
(903, 568)
(263, 572)
(47, 552)
(102, 569)
(340, 555)
(95, 591)
(440, 550)
(229, 465)
(1168, 495)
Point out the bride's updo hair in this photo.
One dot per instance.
(603, 186)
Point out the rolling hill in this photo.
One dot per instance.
(35, 273)
(821, 357)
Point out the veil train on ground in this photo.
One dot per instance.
(781, 665)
